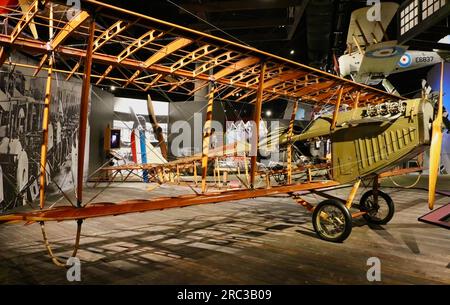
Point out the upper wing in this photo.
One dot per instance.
(366, 32)
(25, 6)
(145, 53)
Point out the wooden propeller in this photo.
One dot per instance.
(436, 145)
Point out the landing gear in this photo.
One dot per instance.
(332, 221)
(379, 208)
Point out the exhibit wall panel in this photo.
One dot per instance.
(132, 114)
(101, 115)
(21, 113)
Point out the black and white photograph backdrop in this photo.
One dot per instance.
(21, 113)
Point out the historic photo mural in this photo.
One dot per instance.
(21, 113)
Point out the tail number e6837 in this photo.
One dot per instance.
(427, 59)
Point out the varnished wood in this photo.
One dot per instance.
(134, 206)
(256, 120)
(68, 29)
(336, 109)
(289, 147)
(45, 123)
(84, 109)
(206, 138)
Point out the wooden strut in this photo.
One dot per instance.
(25, 20)
(352, 194)
(336, 109)
(45, 123)
(195, 173)
(363, 35)
(84, 108)
(81, 145)
(356, 102)
(302, 202)
(256, 120)
(375, 188)
(206, 138)
(289, 147)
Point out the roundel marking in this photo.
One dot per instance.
(384, 52)
(405, 60)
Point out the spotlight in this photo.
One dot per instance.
(268, 113)
(292, 52)
(113, 88)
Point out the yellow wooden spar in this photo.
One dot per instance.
(436, 145)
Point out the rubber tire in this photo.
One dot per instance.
(347, 216)
(387, 199)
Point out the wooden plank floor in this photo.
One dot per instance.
(267, 240)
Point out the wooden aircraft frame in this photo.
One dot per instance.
(160, 55)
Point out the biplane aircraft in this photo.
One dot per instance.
(370, 56)
(375, 132)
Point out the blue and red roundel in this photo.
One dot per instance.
(405, 60)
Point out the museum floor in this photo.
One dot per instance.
(267, 240)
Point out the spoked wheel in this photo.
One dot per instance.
(332, 221)
(380, 209)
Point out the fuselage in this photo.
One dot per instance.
(372, 139)
(350, 64)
